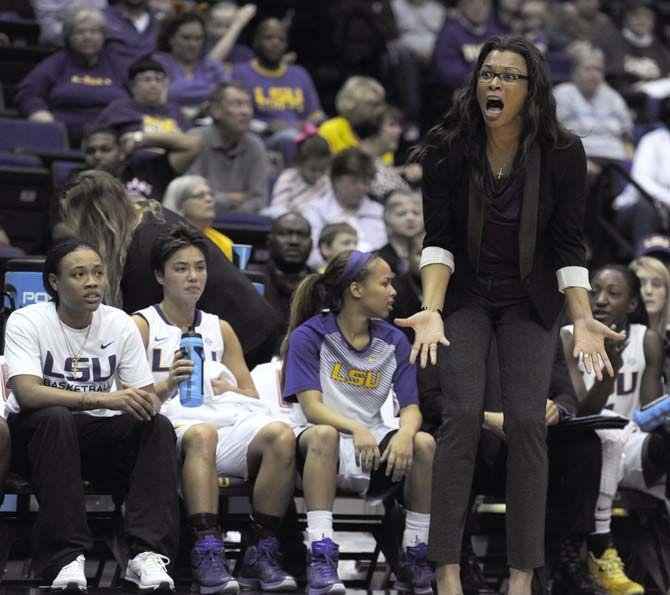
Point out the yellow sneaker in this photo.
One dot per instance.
(609, 574)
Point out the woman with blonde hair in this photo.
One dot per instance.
(96, 208)
(654, 291)
(354, 102)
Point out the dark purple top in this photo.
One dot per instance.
(129, 44)
(127, 115)
(499, 255)
(71, 90)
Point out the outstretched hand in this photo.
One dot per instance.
(428, 334)
(590, 338)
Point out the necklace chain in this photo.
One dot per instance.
(77, 357)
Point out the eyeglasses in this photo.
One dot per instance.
(506, 78)
(201, 195)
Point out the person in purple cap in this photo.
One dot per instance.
(341, 362)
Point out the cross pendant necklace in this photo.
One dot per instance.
(500, 174)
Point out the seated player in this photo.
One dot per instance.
(69, 420)
(637, 365)
(340, 366)
(231, 434)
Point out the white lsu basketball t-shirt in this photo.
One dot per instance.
(625, 399)
(164, 338)
(35, 345)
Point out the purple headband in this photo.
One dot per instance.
(352, 269)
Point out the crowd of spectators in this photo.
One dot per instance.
(206, 114)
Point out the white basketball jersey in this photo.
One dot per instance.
(625, 399)
(164, 339)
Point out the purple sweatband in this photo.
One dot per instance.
(354, 266)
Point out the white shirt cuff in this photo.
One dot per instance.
(573, 277)
(435, 255)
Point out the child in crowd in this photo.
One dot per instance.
(403, 215)
(335, 238)
(339, 367)
(84, 405)
(231, 434)
(630, 457)
(308, 180)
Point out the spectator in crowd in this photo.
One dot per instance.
(97, 208)
(225, 21)
(231, 435)
(655, 295)
(458, 43)
(346, 435)
(298, 186)
(49, 15)
(533, 23)
(638, 216)
(351, 173)
(69, 419)
(335, 238)
(290, 244)
(657, 246)
(419, 22)
(232, 159)
(193, 76)
(637, 55)
(146, 174)
(191, 197)
(589, 107)
(630, 457)
(353, 102)
(283, 95)
(508, 15)
(148, 108)
(75, 83)
(581, 21)
(6, 248)
(132, 26)
(379, 133)
(404, 221)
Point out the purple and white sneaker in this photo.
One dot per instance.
(261, 568)
(208, 565)
(322, 562)
(415, 575)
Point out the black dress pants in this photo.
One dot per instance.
(56, 448)
(526, 351)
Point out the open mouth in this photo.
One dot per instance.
(600, 315)
(494, 108)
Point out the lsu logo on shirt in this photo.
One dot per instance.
(354, 377)
(91, 81)
(93, 373)
(280, 98)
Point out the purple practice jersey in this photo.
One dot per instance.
(353, 382)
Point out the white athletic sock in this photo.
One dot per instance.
(319, 525)
(416, 529)
(603, 513)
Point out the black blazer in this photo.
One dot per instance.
(550, 230)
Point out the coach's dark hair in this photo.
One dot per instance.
(172, 239)
(464, 119)
(321, 291)
(639, 315)
(54, 257)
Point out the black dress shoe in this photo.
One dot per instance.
(472, 578)
(573, 578)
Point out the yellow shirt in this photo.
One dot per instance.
(340, 136)
(223, 242)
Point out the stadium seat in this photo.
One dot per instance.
(21, 32)
(61, 172)
(18, 160)
(40, 136)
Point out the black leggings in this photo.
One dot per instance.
(526, 351)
